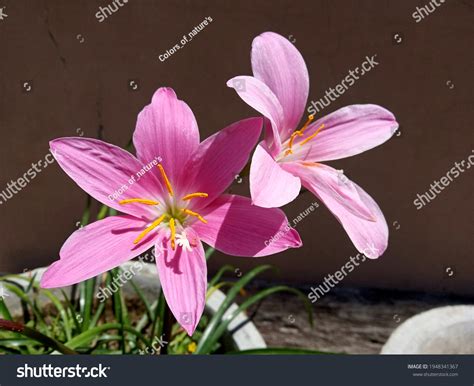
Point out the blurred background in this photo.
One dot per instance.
(65, 73)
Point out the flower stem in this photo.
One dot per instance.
(168, 322)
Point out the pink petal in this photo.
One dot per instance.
(236, 227)
(104, 171)
(349, 131)
(277, 63)
(220, 158)
(369, 237)
(334, 183)
(183, 277)
(257, 95)
(270, 185)
(95, 249)
(167, 129)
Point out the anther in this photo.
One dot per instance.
(138, 200)
(194, 195)
(173, 233)
(153, 225)
(165, 178)
(195, 214)
(312, 135)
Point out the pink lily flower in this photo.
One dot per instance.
(289, 158)
(174, 206)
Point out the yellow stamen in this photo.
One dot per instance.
(153, 225)
(165, 178)
(195, 214)
(310, 119)
(312, 135)
(193, 195)
(139, 200)
(298, 133)
(173, 233)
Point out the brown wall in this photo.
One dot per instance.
(426, 80)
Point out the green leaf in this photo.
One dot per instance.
(146, 320)
(158, 318)
(221, 329)
(95, 333)
(204, 344)
(36, 335)
(54, 299)
(101, 307)
(17, 290)
(102, 212)
(87, 300)
(213, 289)
(62, 312)
(74, 315)
(209, 252)
(4, 311)
(120, 309)
(142, 297)
(218, 275)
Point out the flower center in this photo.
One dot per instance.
(175, 214)
(300, 133)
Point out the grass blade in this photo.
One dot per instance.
(216, 334)
(87, 301)
(216, 319)
(218, 275)
(87, 336)
(209, 252)
(36, 335)
(4, 311)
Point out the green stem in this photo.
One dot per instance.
(168, 322)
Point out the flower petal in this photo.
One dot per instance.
(257, 95)
(277, 63)
(323, 178)
(349, 131)
(220, 158)
(183, 277)
(104, 171)
(166, 128)
(369, 237)
(270, 185)
(96, 248)
(236, 227)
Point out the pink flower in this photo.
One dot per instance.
(288, 159)
(174, 206)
